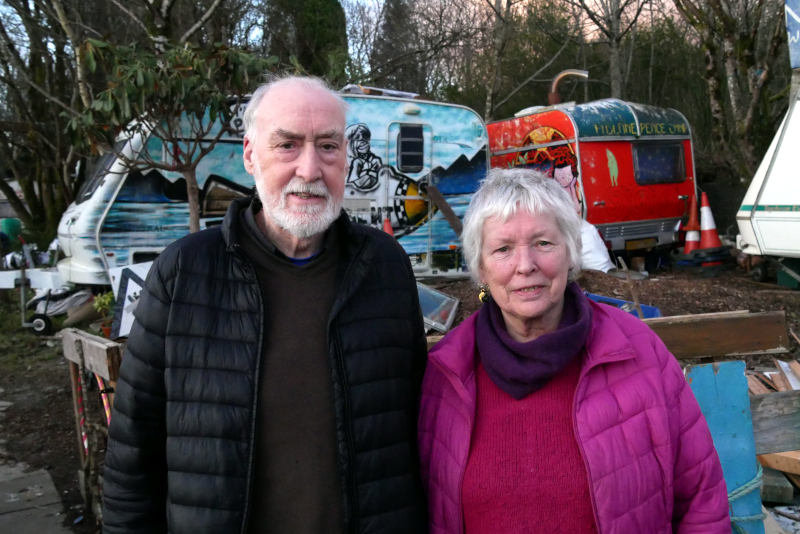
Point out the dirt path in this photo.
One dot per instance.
(39, 426)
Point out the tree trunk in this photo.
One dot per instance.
(731, 71)
(630, 58)
(614, 70)
(500, 31)
(795, 85)
(16, 204)
(711, 76)
(193, 193)
(652, 57)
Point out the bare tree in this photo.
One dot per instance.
(502, 27)
(614, 19)
(747, 36)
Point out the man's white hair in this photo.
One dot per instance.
(277, 81)
(502, 194)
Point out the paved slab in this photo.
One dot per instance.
(29, 502)
(39, 520)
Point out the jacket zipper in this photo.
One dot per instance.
(351, 475)
(583, 453)
(249, 268)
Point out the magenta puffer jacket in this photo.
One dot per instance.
(648, 452)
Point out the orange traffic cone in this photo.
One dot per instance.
(709, 238)
(387, 227)
(692, 229)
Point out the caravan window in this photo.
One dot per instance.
(92, 182)
(410, 148)
(658, 163)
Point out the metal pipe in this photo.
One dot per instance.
(554, 97)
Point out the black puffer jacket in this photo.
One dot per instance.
(180, 450)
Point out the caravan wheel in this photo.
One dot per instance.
(41, 325)
(759, 272)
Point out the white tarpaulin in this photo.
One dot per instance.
(594, 254)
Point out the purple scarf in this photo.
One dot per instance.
(519, 369)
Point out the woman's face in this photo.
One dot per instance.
(524, 261)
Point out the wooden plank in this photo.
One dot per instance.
(433, 340)
(766, 381)
(776, 421)
(777, 379)
(788, 462)
(721, 392)
(775, 487)
(100, 355)
(794, 479)
(448, 213)
(74, 382)
(787, 374)
(756, 387)
(794, 365)
(694, 317)
(707, 335)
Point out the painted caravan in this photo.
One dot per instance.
(769, 217)
(397, 146)
(628, 167)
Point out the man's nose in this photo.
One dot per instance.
(309, 166)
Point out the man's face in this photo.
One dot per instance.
(298, 159)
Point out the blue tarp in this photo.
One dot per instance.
(649, 312)
(793, 31)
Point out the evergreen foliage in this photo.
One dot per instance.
(312, 32)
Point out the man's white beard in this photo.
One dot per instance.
(301, 221)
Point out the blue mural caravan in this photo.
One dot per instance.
(396, 148)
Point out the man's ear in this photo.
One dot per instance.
(247, 157)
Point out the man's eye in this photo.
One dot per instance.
(328, 147)
(544, 243)
(502, 249)
(286, 146)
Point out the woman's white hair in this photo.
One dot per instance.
(276, 81)
(502, 194)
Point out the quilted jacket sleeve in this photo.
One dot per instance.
(700, 494)
(135, 475)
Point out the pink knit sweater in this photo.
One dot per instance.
(525, 473)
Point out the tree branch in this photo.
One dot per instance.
(535, 74)
(200, 22)
(131, 15)
(73, 39)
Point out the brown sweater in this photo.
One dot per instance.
(296, 485)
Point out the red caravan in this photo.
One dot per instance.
(628, 167)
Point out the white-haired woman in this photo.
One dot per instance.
(544, 412)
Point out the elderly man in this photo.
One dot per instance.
(271, 380)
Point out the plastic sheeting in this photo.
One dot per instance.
(594, 254)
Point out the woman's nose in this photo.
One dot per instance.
(526, 260)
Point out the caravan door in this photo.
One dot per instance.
(409, 167)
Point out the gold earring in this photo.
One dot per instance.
(483, 296)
